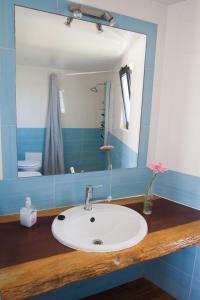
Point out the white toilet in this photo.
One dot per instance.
(31, 164)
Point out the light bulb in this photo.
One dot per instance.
(68, 21)
(99, 28)
(112, 22)
(77, 14)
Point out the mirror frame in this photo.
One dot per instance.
(8, 75)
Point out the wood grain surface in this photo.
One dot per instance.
(172, 227)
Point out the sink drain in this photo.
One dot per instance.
(97, 242)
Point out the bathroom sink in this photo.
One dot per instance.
(105, 228)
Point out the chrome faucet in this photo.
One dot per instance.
(89, 196)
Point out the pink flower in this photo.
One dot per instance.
(106, 147)
(157, 167)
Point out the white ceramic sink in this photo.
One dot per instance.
(106, 228)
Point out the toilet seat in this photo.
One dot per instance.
(29, 165)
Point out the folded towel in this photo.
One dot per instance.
(62, 104)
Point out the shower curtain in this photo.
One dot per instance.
(107, 91)
(54, 151)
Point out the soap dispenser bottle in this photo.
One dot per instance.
(28, 214)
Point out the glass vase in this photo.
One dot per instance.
(109, 161)
(148, 203)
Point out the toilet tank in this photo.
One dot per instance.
(34, 156)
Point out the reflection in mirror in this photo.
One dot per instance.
(78, 87)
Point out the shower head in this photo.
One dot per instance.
(94, 89)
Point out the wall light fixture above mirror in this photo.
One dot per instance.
(78, 88)
(79, 10)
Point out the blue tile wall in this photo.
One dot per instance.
(30, 140)
(71, 188)
(182, 260)
(169, 278)
(178, 273)
(197, 265)
(128, 184)
(81, 147)
(9, 151)
(195, 290)
(183, 188)
(122, 155)
(55, 191)
(195, 280)
(13, 193)
(84, 144)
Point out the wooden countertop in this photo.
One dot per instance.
(32, 261)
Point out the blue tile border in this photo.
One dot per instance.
(7, 87)
(7, 24)
(50, 6)
(9, 152)
(60, 6)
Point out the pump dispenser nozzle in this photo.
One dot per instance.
(28, 214)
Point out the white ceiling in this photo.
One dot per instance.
(42, 39)
(168, 2)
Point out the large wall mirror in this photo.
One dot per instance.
(79, 91)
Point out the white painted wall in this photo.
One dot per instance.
(178, 141)
(152, 11)
(32, 96)
(135, 58)
(78, 47)
(82, 107)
